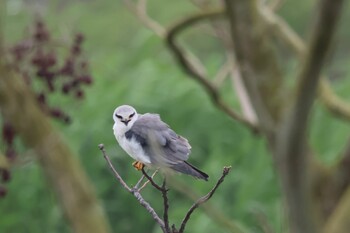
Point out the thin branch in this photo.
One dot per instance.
(188, 61)
(139, 9)
(203, 199)
(243, 97)
(222, 74)
(164, 190)
(262, 77)
(151, 180)
(166, 205)
(189, 67)
(134, 192)
(144, 185)
(234, 72)
(282, 30)
(139, 182)
(337, 106)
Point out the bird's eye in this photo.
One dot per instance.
(120, 117)
(131, 115)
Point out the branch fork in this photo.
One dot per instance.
(136, 192)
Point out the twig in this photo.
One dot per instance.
(189, 67)
(203, 199)
(139, 182)
(147, 181)
(166, 205)
(151, 180)
(134, 192)
(163, 189)
(222, 73)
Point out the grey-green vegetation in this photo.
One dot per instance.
(131, 65)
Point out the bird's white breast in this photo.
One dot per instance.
(132, 147)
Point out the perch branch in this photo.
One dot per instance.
(151, 180)
(134, 192)
(291, 147)
(203, 199)
(188, 66)
(144, 185)
(166, 205)
(163, 189)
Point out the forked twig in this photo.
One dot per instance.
(163, 223)
(144, 185)
(203, 199)
(134, 192)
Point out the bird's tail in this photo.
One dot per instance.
(186, 168)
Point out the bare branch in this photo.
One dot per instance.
(241, 92)
(163, 189)
(166, 205)
(283, 31)
(144, 185)
(187, 60)
(151, 180)
(261, 77)
(203, 199)
(333, 103)
(222, 74)
(339, 220)
(139, 182)
(134, 192)
(189, 67)
(291, 148)
(140, 11)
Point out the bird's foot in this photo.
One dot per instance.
(138, 165)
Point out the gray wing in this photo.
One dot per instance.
(162, 144)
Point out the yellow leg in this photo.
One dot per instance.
(138, 165)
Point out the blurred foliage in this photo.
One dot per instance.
(132, 66)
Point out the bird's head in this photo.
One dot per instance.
(125, 116)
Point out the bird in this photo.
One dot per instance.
(152, 143)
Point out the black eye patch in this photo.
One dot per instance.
(131, 115)
(120, 117)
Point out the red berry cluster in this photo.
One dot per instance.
(47, 66)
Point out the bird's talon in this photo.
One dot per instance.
(138, 165)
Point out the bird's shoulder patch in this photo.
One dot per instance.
(131, 134)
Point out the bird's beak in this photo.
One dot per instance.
(125, 122)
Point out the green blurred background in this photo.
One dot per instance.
(131, 65)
